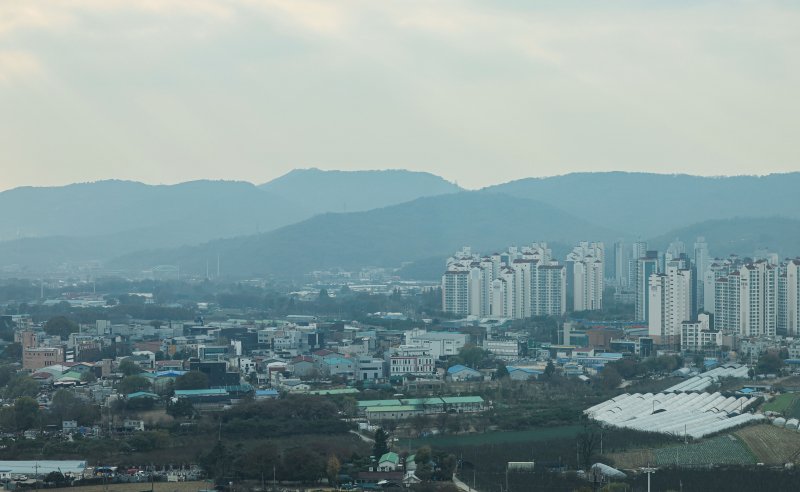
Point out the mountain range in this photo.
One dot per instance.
(312, 219)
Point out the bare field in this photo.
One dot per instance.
(143, 487)
(771, 445)
(637, 458)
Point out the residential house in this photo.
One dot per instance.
(389, 462)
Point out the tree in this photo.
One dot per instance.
(422, 459)
(217, 463)
(181, 408)
(192, 380)
(471, 356)
(13, 352)
(447, 466)
(20, 385)
(587, 442)
(332, 470)
(769, 363)
(260, 461)
(610, 378)
(304, 465)
(549, 370)
(129, 368)
(380, 447)
(66, 406)
(26, 413)
(132, 384)
(501, 372)
(55, 477)
(60, 326)
(419, 423)
(88, 377)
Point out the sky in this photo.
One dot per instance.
(164, 91)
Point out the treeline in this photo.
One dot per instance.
(293, 415)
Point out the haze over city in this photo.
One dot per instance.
(418, 246)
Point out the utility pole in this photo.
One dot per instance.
(649, 472)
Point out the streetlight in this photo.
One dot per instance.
(649, 471)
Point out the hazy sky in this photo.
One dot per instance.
(479, 92)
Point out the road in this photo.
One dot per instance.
(461, 485)
(363, 437)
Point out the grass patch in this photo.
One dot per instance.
(780, 403)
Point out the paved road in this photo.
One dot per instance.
(363, 437)
(461, 485)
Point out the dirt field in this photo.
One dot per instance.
(633, 459)
(143, 487)
(771, 445)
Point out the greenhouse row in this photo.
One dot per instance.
(692, 414)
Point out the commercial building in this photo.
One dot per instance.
(36, 358)
(440, 343)
(410, 360)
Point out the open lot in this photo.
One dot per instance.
(771, 445)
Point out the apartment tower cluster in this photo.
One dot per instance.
(523, 281)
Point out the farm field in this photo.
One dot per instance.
(721, 450)
(780, 403)
(504, 437)
(771, 445)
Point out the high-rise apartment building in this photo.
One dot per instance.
(516, 284)
(646, 266)
(790, 285)
(670, 301)
(585, 267)
(701, 263)
(746, 297)
(621, 264)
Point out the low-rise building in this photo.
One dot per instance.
(37, 358)
(409, 360)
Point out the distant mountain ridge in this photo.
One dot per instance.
(646, 204)
(383, 237)
(356, 191)
(286, 226)
(741, 235)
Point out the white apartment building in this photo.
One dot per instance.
(518, 283)
(585, 267)
(697, 335)
(789, 297)
(440, 344)
(646, 266)
(409, 360)
(670, 302)
(701, 262)
(746, 297)
(758, 301)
